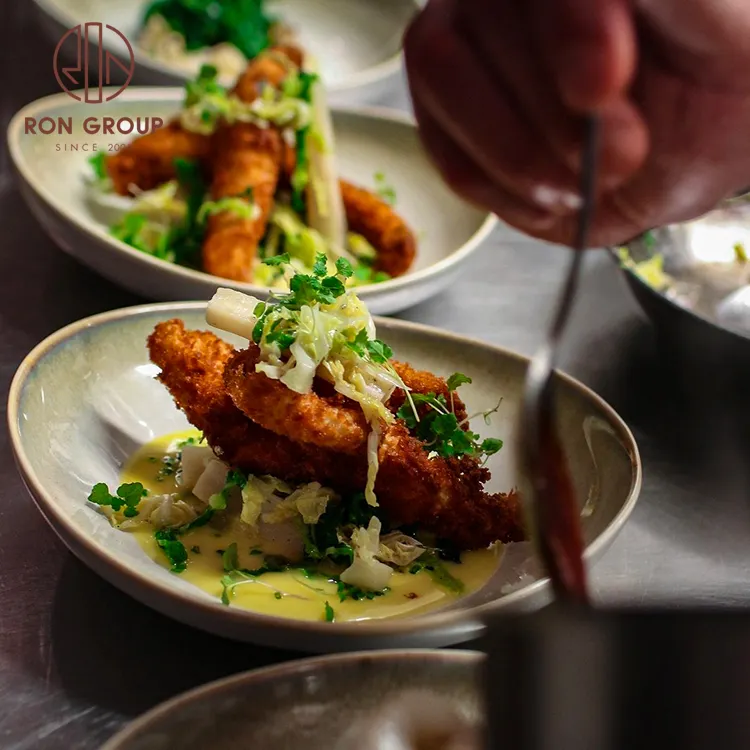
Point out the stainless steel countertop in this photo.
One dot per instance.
(78, 658)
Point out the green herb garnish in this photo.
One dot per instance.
(347, 591)
(98, 165)
(384, 190)
(432, 564)
(127, 496)
(173, 548)
(329, 614)
(206, 23)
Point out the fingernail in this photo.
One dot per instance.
(554, 199)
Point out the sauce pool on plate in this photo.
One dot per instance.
(295, 593)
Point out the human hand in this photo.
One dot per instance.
(499, 88)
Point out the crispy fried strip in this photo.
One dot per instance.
(445, 496)
(246, 157)
(323, 417)
(327, 422)
(192, 368)
(382, 227)
(148, 161)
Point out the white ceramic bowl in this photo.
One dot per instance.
(368, 141)
(357, 42)
(325, 703)
(86, 398)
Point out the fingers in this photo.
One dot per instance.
(495, 125)
(476, 112)
(589, 46)
(522, 69)
(467, 180)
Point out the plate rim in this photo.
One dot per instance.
(173, 94)
(442, 621)
(286, 669)
(352, 83)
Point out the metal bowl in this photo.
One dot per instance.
(693, 280)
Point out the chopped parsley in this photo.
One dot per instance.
(127, 496)
(384, 190)
(347, 591)
(431, 563)
(329, 614)
(173, 548)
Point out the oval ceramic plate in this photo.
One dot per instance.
(357, 42)
(86, 398)
(52, 180)
(330, 703)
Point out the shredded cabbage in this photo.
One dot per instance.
(256, 494)
(324, 340)
(240, 207)
(162, 512)
(203, 112)
(366, 571)
(399, 549)
(311, 501)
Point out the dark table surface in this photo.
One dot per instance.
(78, 658)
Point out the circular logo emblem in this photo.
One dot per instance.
(85, 44)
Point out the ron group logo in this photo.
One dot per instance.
(89, 40)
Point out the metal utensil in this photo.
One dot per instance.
(548, 494)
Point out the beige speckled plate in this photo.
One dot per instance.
(357, 42)
(367, 141)
(86, 398)
(320, 704)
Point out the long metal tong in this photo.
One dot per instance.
(548, 493)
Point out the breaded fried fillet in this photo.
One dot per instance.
(247, 159)
(192, 368)
(325, 421)
(148, 161)
(445, 496)
(382, 227)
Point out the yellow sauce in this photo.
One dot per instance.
(291, 593)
